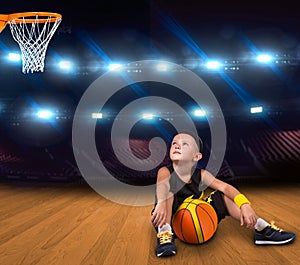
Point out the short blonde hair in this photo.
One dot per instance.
(197, 139)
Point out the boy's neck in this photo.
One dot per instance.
(184, 171)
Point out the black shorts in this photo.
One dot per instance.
(215, 199)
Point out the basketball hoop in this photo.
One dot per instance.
(32, 31)
(3, 21)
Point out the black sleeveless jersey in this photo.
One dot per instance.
(181, 189)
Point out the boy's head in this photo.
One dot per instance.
(196, 138)
(186, 146)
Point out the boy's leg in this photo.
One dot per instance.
(273, 235)
(265, 233)
(169, 206)
(233, 210)
(169, 209)
(165, 236)
(216, 200)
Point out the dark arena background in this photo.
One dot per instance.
(249, 56)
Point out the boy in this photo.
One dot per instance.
(182, 179)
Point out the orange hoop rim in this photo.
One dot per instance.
(22, 17)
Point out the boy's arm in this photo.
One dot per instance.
(216, 184)
(247, 214)
(162, 213)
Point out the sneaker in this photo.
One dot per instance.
(272, 235)
(165, 244)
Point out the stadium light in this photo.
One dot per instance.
(199, 113)
(44, 114)
(213, 65)
(97, 115)
(257, 109)
(147, 116)
(66, 65)
(14, 57)
(115, 67)
(162, 67)
(264, 58)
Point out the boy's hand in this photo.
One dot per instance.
(159, 215)
(248, 216)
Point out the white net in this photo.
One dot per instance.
(33, 39)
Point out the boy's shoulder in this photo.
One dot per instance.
(168, 167)
(164, 171)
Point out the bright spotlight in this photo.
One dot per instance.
(264, 58)
(97, 115)
(199, 113)
(15, 57)
(258, 109)
(115, 67)
(44, 114)
(147, 116)
(66, 65)
(212, 65)
(161, 67)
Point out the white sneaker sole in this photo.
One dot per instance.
(266, 242)
(166, 253)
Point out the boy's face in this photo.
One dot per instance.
(184, 148)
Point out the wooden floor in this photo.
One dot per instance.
(75, 225)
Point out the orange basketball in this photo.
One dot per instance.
(195, 221)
